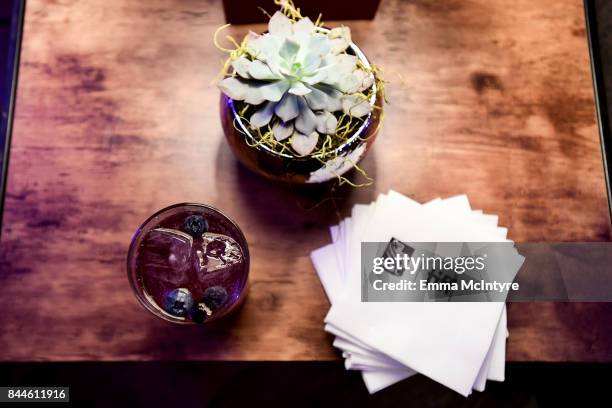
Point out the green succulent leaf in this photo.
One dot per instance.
(299, 89)
(306, 121)
(356, 105)
(233, 88)
(288, 108)
(288, 51)
(241, 66)
(304, 144)
(326, 123)
(274, 91)
(317, 100)
(263, 116)
(282, 130)
(260, 70)
(280, 25)
(304, 25)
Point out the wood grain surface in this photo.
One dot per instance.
(116, 118)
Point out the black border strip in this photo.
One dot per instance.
(14, 55)
(601, 103)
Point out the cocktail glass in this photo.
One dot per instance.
(189, 263)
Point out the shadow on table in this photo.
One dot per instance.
(278, 203)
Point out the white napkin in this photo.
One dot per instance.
(458, 344)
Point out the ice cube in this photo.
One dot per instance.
(218, 252)
(167, 254)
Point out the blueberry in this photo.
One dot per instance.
(199, 313)
(214, 297)
(178, 302)
(195, 225)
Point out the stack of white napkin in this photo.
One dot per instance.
(460, 345)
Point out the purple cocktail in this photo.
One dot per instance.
(189, 263)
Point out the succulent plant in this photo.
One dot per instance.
(299, 76)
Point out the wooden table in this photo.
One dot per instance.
(116, 117)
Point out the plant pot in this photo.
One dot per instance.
(289, 167)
